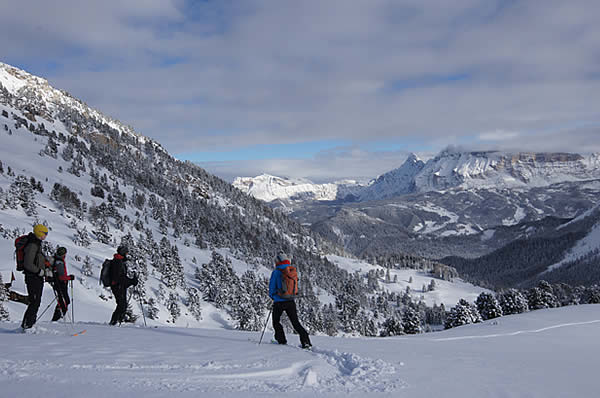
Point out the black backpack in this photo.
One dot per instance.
(105, 279)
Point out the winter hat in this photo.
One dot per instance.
(282, 258)
(122, 250)
(61, 251)
(40, 231)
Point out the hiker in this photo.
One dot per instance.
(60, 283)
(283, 300)
(119, 283)
(35, 269)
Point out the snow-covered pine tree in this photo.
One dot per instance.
(151, 308)
(392, 326)
(512, 302)
(4, 314)
(591, 295)
(411, 321)
(462, 313)
(330, 320)
(488, 306)
(541, 296)
(173, 306)
(194, 303)
(21, 192)
(86, 268)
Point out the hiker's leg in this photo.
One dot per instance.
(120, 294)
(292, 313)
(279, 333)
(35, 286)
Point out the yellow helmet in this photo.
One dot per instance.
(40, 231)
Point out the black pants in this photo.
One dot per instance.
(120, 293)
(35, 286)
(62, 299)
(289, 307)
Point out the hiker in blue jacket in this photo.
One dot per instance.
(283, 301)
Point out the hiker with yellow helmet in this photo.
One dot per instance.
(35, 269)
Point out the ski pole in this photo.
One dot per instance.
(142, 307)
(40, 316)
(72, 304)
(265, 328)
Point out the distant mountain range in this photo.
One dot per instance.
(449, 169)
(466, 204)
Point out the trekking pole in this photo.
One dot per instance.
(40, 316)
(265, 328)
(72, 304)
(142, 307)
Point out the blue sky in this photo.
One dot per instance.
(322, 89)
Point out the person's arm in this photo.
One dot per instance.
(274, 283)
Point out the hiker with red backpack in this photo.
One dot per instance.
(283, 289)
(60, 283)
(34, 265)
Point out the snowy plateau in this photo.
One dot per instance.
(61, 154)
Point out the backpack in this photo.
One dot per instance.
(289, 282)
(105, 279)
(20, 244)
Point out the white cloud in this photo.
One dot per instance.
(267, 72)
(499, 135)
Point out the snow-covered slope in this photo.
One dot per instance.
(542, 354)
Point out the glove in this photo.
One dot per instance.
(71, 277)
(42, 272)
(134, 281)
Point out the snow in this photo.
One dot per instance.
(446, 292)
(507, 356)
(583, 247)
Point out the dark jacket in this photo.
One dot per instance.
(118, 271)
(60, 269)
(34, 260)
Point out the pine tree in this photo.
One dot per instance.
(173, 306)
(462, 314)
(151, 308)
(86, 268)
(512, 302)
(411, 321)
(391, 327)
(82, 237)
(193, 303)
(488, 306)
(4, 314)
(541, 297)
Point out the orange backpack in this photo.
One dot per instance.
(289, 282)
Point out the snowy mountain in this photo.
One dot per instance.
(201, 248)
(455, 204)
(551, 353)
(449, 169)
(270, 188)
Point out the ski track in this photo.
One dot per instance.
(487, 336)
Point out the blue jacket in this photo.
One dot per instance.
(275, 284)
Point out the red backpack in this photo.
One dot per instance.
(289, 282)
(20, 244)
